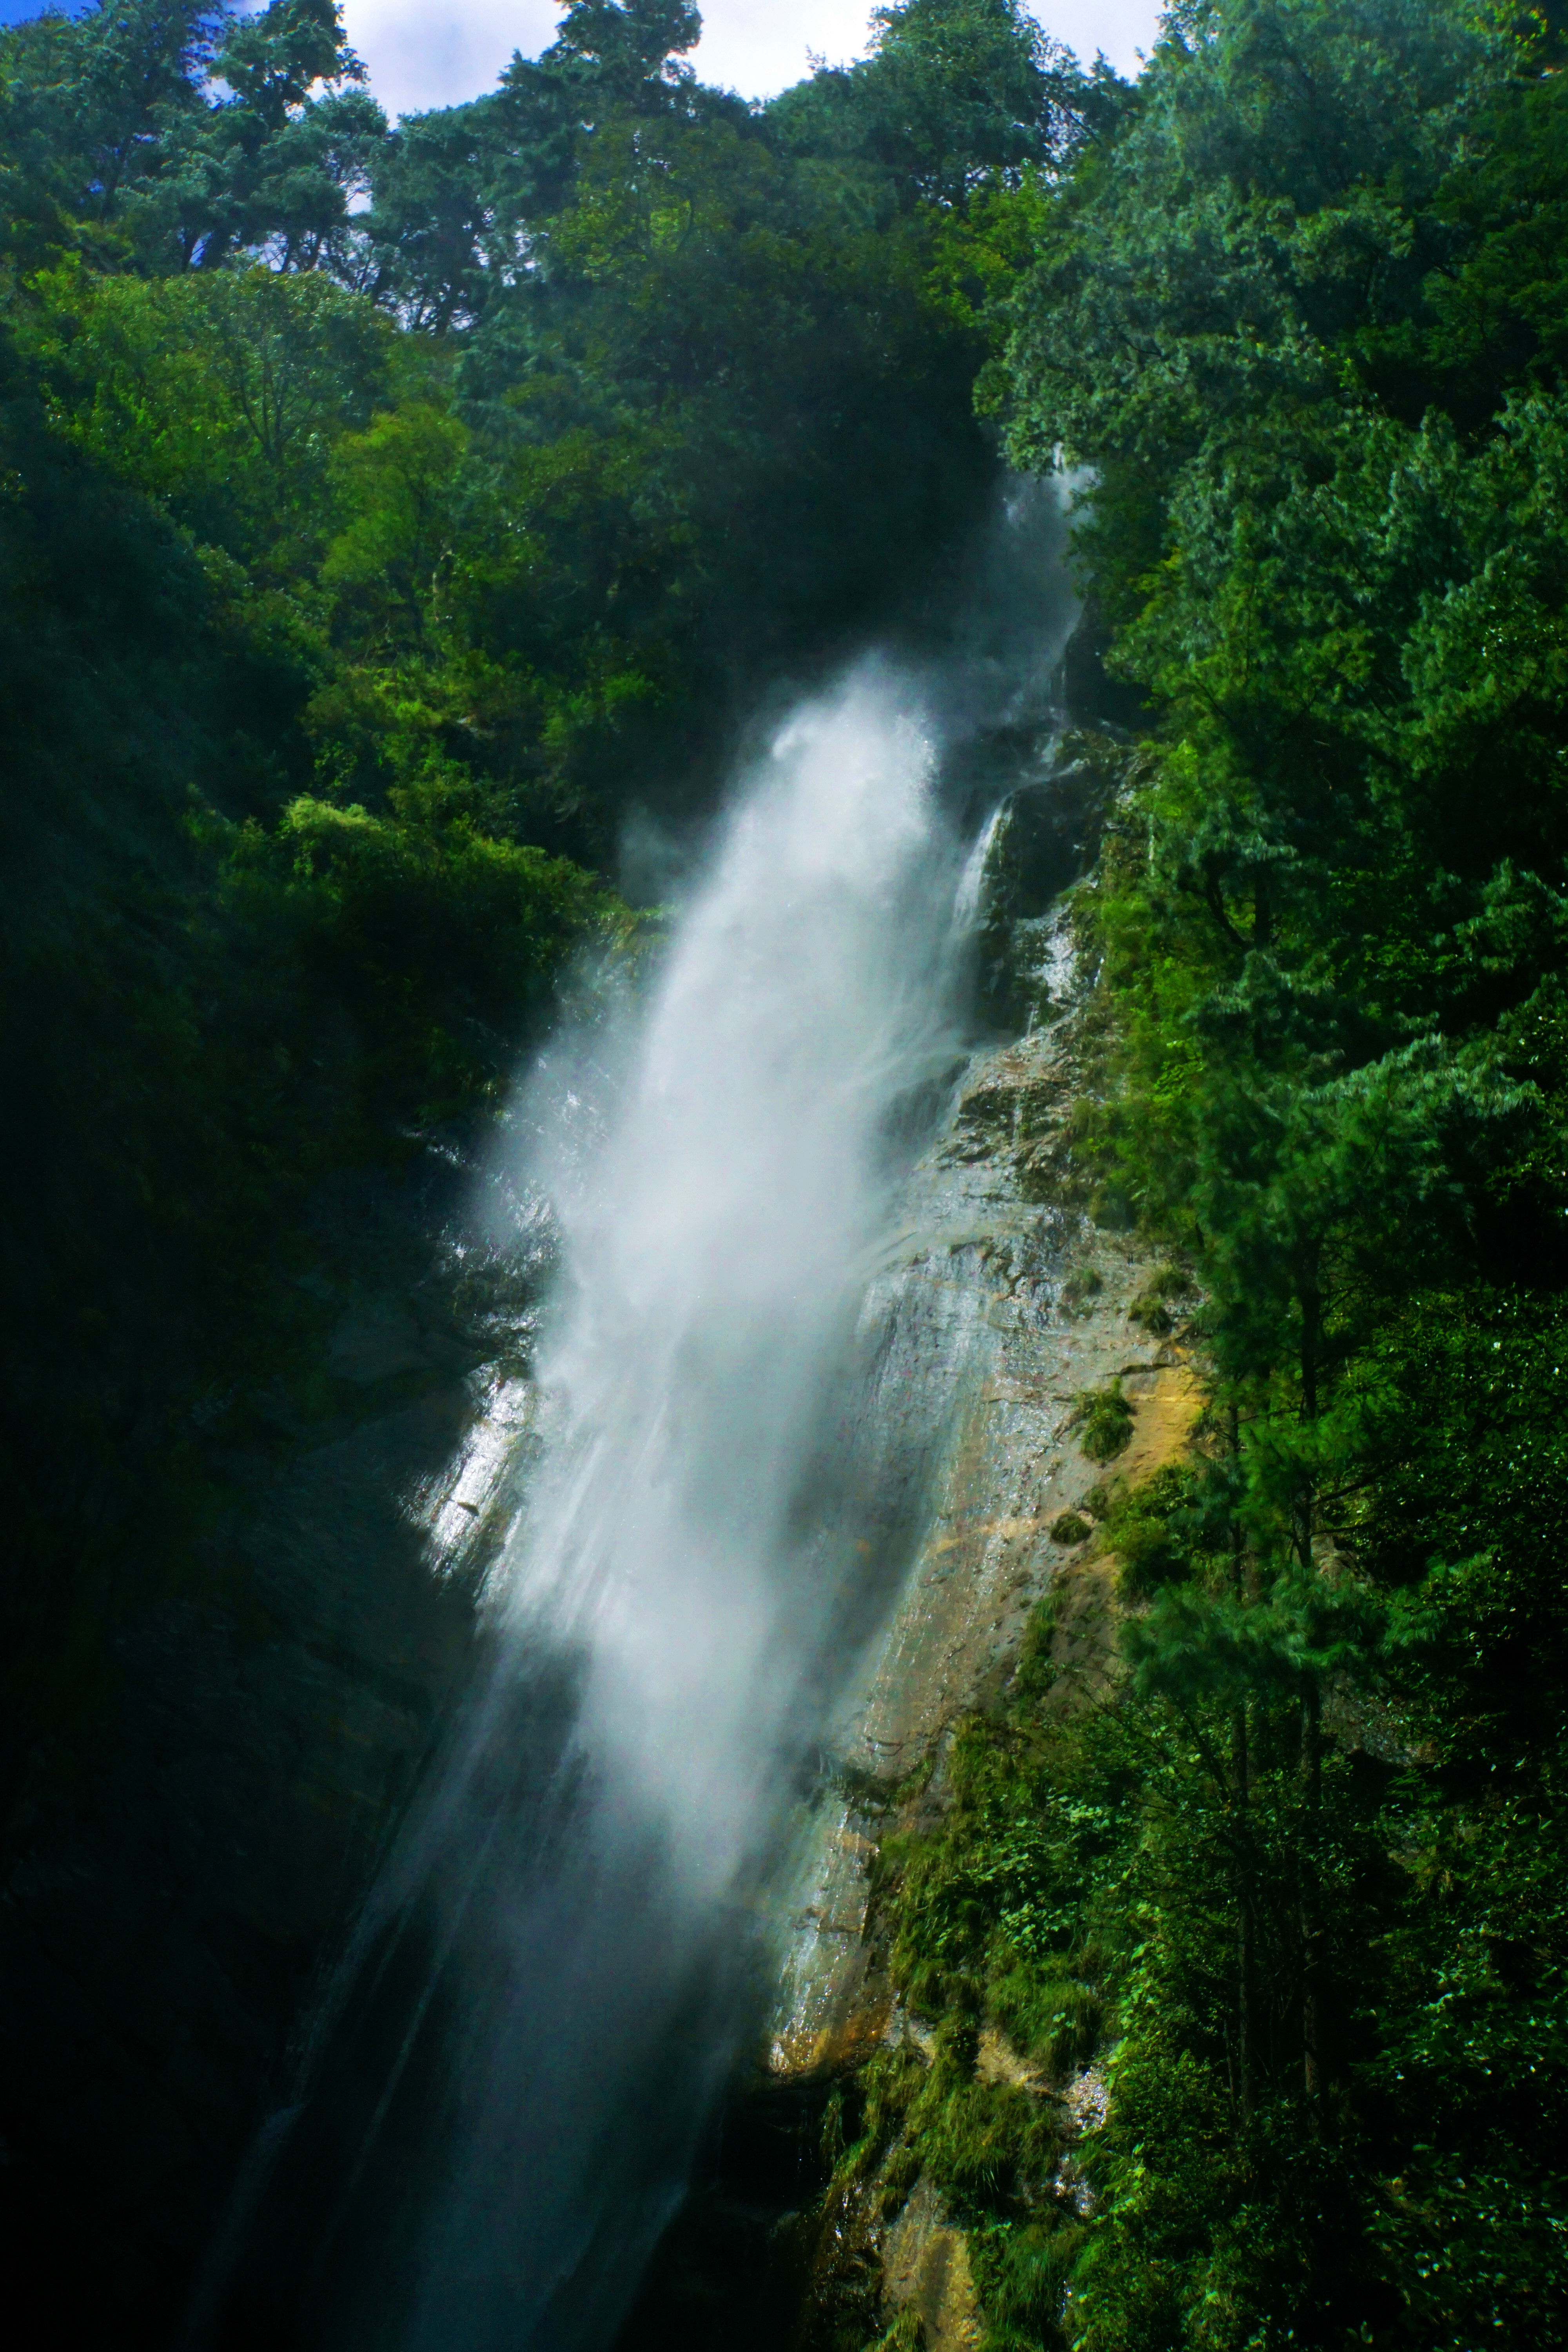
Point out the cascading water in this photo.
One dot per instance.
(713, 1249)
(549, 1986)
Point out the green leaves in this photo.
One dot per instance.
(220, 395)
(394, 489)
(1105, 1422)
(440, 945)
(1298, 308)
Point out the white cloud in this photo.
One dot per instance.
(757, 47)
(1124, 30)
(421, 57)
(750, 46)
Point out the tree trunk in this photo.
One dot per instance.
(1313, 1780)
(1312, 1305)
(1240, 1765)
(1241, 1783)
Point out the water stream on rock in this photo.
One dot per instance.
(497, 2113)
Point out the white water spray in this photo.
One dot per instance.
(713, 1263)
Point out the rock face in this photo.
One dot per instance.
(925, 2269)
(1048, 1299)
(179, 1881)
(1042, 1297)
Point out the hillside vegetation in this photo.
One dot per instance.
(1294, 1884)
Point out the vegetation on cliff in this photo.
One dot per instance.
(1299, 1882)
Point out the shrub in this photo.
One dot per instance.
(1151, 1307)
(1079, 1288)
(1105, 1419)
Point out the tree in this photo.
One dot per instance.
(955, 95)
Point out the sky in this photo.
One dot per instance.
(421, 56)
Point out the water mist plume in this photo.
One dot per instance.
(713, 1260)
(681, 1555)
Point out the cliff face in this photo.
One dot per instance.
(1048, 1297)
(1043, 1300)
(184, 1860)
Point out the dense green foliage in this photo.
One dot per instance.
(1297, 1872)
(387, 511)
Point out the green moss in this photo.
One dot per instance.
(1080, 1289)
(1067, 1528)
(984, 1909)
(907, 2333)
(1112, 1207)
(1151, 1309)
(1154, 1530)
(1021, 2275)
(1056, 2018)
(1105, 1422)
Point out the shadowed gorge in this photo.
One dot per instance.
(782, 1232)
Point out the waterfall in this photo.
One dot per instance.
(508, 2077)
(685, 1554)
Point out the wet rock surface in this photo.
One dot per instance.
(925, 2268)
(1012, 1470)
